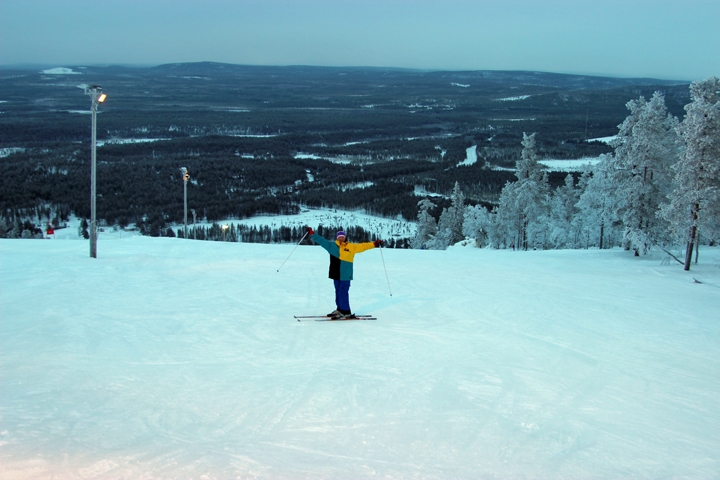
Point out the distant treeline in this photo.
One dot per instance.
(135, 188)
(265, 234)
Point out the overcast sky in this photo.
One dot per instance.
(667, 39)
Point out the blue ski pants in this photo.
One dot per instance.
(342, 295)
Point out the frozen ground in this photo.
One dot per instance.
(170, 358)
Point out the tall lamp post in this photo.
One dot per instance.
(97, 97)
(186, 177)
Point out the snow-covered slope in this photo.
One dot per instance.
(170, 358)
(384, 228)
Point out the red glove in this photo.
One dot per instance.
(378, 243)
(311, 232)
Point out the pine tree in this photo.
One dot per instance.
(597, 215)
(645, 149)
(562, 212)
(450, 225)
(695, 201)
(83, 230)
(456, 215)
(477, 224)
(522, 213)
(427, 227)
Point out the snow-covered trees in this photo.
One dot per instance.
(645, 149)
(427, 226)
(448, 230)
(522, 213)
(562, 232)
(596, 211)
(477, 224)
(695, 201)
(450, 225)
(661, 184)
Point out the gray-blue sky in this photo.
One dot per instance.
(669, 39)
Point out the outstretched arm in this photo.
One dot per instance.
(362, 247)
(331, 247)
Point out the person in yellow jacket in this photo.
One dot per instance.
(342, 253)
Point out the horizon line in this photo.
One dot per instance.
(40, 65)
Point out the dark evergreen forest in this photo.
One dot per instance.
(270, 140)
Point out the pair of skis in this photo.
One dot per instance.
(325, 318)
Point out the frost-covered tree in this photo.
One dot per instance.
(506, 220)
(523, 209)
(477, 224)
(562, 211)
(450, 225)
(645, 148)
(427, 226)
(597, 215)
(695, 200)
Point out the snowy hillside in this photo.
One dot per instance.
(170, 358)
(384, 228)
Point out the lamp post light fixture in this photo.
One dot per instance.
(96, 97)
(186, 177)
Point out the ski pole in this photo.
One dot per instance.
(386, 275)
(293, 251)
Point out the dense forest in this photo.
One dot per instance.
(274, 139)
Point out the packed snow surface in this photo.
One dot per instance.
(171, 358)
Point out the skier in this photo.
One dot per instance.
(342, 254)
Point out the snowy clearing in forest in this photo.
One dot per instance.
(575, 165)
(61, 71)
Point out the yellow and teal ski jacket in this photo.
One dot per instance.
(341, 256)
